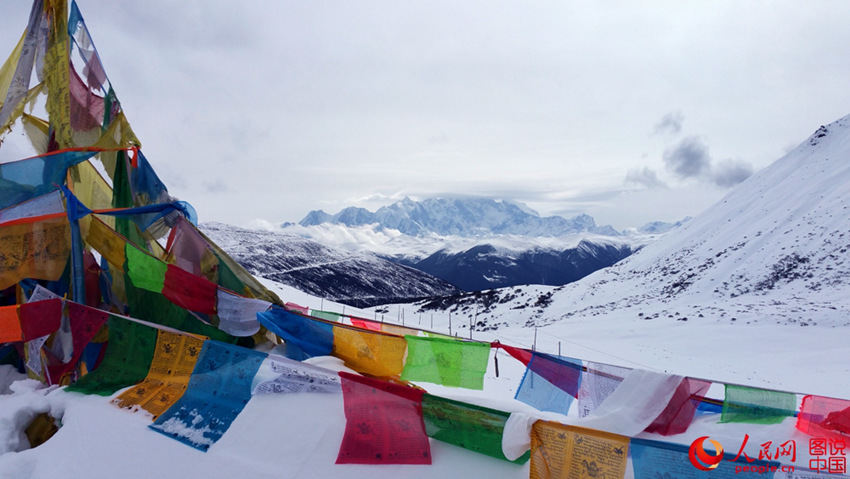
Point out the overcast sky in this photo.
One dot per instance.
(630, 111)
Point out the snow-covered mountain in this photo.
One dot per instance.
(358, 279)
(478, 243)
(461, 217)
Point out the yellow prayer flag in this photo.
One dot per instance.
(105, 241)
(370, 353)
(559, 451)
(173, 361)
(7, 70)
(36, 248)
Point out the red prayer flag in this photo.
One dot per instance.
(10, 325)
(521, 355)
(384, 423)
(366, 324)
(677, 416)
(40, 318)
(189, 291)
(824, 417)
(85, 323)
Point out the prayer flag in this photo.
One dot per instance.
(677, 416)
(561, 451)
(383, 423)
(218, 390)
(40, 318)
(539, 391)
(598, 381)
(472, 427)
(145, 271)
(326, 315)
(10, 325)
(824, 417)
(757, 406)
(36, 248)
(189, 291)
(281, 375)
(305, 337)
(366, 324)
(238, 315)
(85, 323)
(173, 361)
(127, 359)
(372, 353)
(446, 361)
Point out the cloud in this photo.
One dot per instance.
(644, 176)
(216, 186)
(671, 123)
(729, 173)
(688, 159)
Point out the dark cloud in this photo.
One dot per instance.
(671, 123)
(729, 173)
(688, 159)
(644, 176)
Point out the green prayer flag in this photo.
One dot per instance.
(326, 315)
(472, 427)
(446, 361)
(757, 406)
(126, 362)
(145, 271)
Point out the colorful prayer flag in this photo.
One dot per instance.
(126, 362)
(372, 353)
(238, 315)
(305, 337)
(145, 271)
(561, 451)
(757, 406)
(677, 416)
(539, 390)
(36, 248)
(188, 291)
(383, 423)
(446, 361)
(10, 325)
(281, 375)
(40, 318)
(472, 427)
(85, 323)
(172, 364)
(824, 417)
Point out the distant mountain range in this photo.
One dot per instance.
(465, 217)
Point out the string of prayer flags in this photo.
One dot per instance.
(757, 406)
(281, 375)
(561, 451)
(10, 325)
(372, 353)
(469, 426)
(305, 337)
(448, 362)
(384, 423)
(539, 391)
(677, 416)
(36, 248)
(598, 381)
(85, 323)
(218, 390)
(824, 417)
(238, 315)
(188, 291)
(654, 459)
(172, 364)
(40, 318)
(127, 360)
